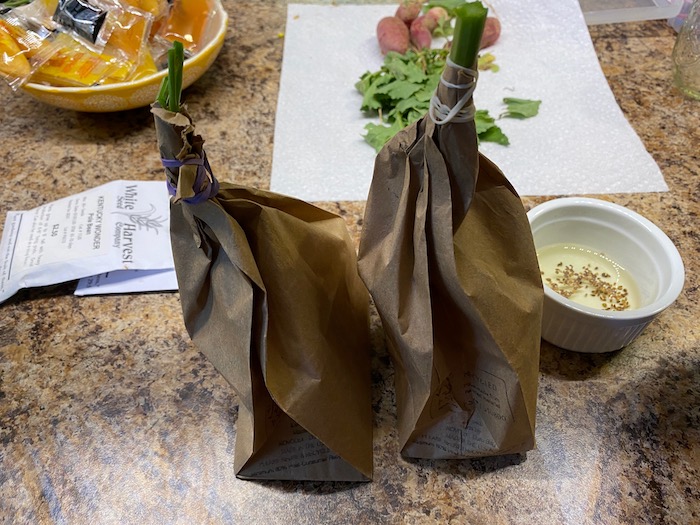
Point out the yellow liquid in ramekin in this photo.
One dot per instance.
(589, 272)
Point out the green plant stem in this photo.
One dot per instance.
(162, 97)
(469, 26)
(15, 3)
(173, 82)
(179, 60)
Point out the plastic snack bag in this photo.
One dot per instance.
(72, 64)
(24, 46)
(90, 22)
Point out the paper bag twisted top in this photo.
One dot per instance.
(189, 174)
(455, 81)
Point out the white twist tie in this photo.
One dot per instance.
(440, 113)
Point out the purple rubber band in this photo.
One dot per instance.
(203, 191)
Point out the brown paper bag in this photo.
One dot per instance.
(447, 254)
(271, 295)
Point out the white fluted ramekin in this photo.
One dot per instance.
(629, 239)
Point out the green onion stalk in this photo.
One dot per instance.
(459, 76)
(170, 92)
(457, 138)
(470, 19)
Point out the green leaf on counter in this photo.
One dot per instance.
(379, 134)
(399, 89)
(494, 134)
(487, 130)
(521, 108)
(483, 120)
(369, 86)
(487, 62)
(407, 70)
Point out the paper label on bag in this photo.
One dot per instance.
(469, 415)
(293, 453)
(121, 225)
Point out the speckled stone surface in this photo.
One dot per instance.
(108, 414)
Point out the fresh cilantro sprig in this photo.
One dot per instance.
(400, 92)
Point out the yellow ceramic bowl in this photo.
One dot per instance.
(129, 95)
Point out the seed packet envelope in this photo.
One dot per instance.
(118, 226)
(271, 295)
(447, 254)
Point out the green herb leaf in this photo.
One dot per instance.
(399, 89)
(365, 82)
(378, 135)
(404, 67)
(408, 105)
(521, 108)
(494, 134)
(483, 120)
(487, 130)
(487, 62)
(444, 29)
(372, 99)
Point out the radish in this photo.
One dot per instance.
(392, 35)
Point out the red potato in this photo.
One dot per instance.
(492, 30)
(422, 31)
(409, 10)
(439, 14)
(392, 35)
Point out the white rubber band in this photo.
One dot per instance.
(442, 114)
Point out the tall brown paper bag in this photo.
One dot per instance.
(271, 295)
(447, 254)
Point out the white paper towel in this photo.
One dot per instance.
(579, 143)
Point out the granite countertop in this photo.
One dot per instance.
(108, 414)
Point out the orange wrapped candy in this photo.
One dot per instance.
(187, 23)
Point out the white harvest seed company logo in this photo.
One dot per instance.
(125, 231)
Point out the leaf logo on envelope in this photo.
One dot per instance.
(143, 219)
